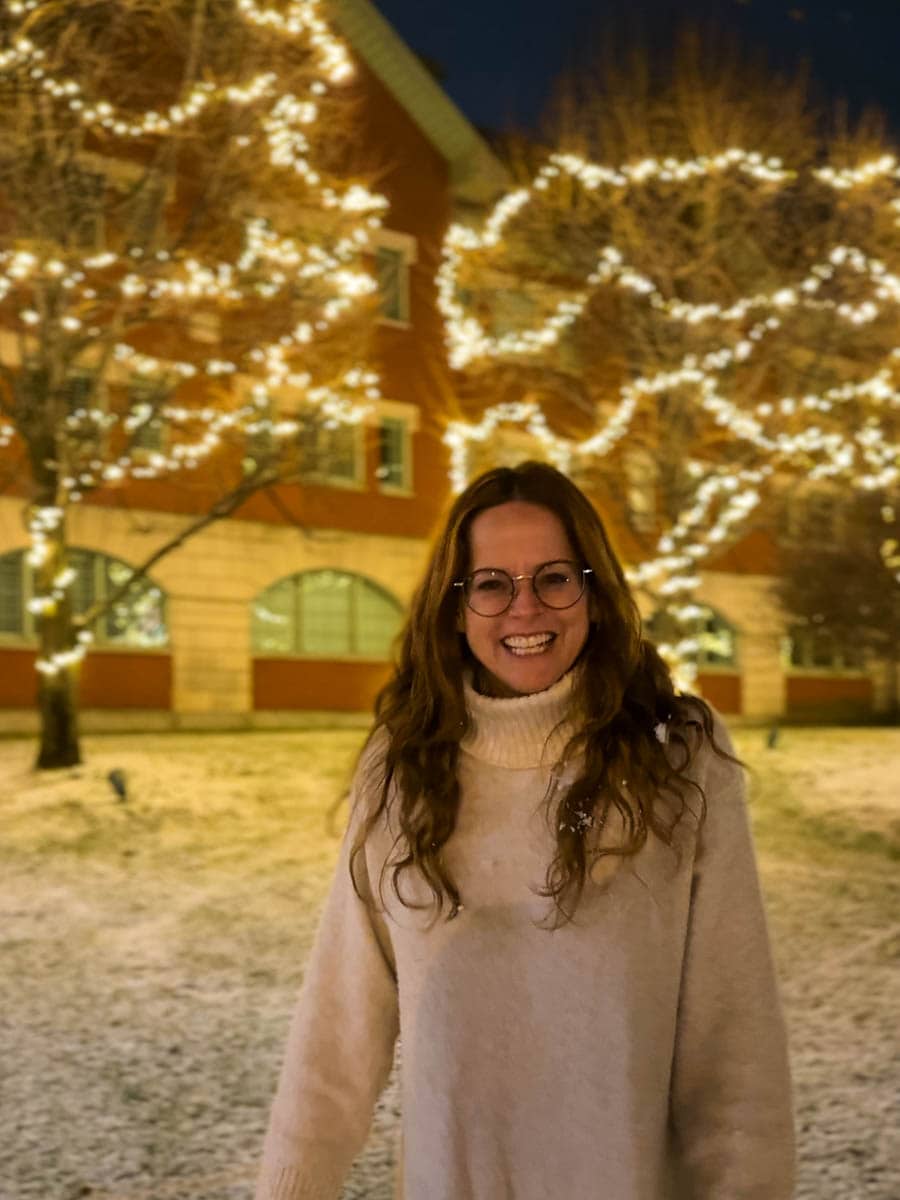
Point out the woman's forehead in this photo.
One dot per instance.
(517, 532)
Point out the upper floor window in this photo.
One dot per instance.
(325, 614)
(331, 451)
(144, 398)
(715, 638)
(137, 619)
(85, 191)
(395, 254)
(394, 470)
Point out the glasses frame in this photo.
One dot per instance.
(514, 580)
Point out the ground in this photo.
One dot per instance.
(152, 949)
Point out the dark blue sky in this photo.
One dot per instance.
(500, 56)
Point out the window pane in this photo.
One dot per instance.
(138, 619)
(146, 394)
(378, 619)
(12, 619)
(716, 642)
(392, 453)
(325, 607)
(329, 453)
(273, 628)
(391, 270)
(84, 589)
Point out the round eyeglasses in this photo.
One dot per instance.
(490, 591)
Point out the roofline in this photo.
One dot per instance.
(477, 175)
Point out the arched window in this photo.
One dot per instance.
(137, 619)
(325, 614)
(716, 638)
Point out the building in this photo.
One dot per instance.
(289, 607)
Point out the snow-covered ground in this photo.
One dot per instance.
(151, 951)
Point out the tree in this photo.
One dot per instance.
(683, 289)
(840, 579)
(184, 292)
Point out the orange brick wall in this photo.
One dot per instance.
(291, 683)
(722, 691)
(824, 695)
(109, 679)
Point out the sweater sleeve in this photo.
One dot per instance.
(731, 1090)
(339, 1049)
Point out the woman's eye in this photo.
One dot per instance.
(554, 579)
(488, 585)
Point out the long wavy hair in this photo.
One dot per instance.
(624, 693)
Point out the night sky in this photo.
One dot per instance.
(499, 57)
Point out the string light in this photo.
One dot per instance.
(723, 497)
(70, 294)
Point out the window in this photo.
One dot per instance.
(394, 465)
(716, 638)
(330, 452)
(85, 204)
(325, 614)
(392, 271)
(138, 619)
(144, 399)
(394, 255)
(12, 595)
(814, 649)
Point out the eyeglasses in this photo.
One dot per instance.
(490, 591)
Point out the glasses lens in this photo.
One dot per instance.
(489, 592)
(558, 584)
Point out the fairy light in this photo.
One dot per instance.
(69, 295)
(721, 501)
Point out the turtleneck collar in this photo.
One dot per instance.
(520, 731)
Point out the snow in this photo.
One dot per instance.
(152, 949)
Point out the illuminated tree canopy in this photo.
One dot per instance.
(184, 280)
(733, 315)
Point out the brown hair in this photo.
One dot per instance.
(624, 688)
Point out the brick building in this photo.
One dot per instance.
(290, 607)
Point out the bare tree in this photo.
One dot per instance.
(694, 293)
(184, 288)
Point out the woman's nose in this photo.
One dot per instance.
(525, 598)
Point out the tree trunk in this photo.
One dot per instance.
(59, 676)
(58, 706)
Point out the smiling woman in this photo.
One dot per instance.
(523, 638)
(548, 888)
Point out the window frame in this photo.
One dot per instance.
(28, 637)
(837, 666)
(704, 667)
(357, 582)
(405, 247)
(386, 485)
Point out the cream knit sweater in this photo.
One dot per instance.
(637, 1054)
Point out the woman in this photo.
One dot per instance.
(548, 887)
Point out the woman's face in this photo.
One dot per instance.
(530, 646)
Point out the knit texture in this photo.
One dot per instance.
(638, 1053)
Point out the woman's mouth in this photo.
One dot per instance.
(523, 645)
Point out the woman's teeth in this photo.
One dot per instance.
(535, 643)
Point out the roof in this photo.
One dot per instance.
(476, 174)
